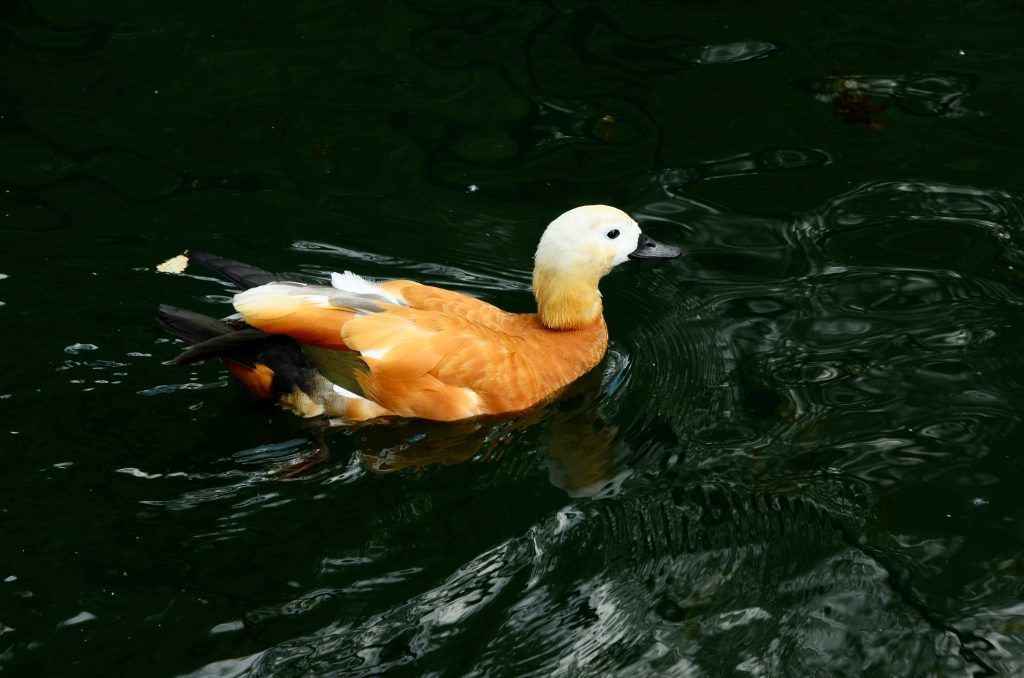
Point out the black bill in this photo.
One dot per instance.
(646, 248)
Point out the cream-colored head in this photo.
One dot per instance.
(578, 249)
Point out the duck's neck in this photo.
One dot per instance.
(566, 300)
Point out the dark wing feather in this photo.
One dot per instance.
(242, 275)
(189, 326)
(236, 345)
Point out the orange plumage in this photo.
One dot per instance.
(257, 378)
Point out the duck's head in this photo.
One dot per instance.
(578, 249)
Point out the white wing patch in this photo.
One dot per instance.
(345, 393)
(359, 286)
(349, 291)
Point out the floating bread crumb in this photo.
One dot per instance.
(174, 265)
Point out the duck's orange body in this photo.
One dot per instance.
(437, 355)
(359, 350)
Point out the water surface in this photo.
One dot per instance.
(802, 455)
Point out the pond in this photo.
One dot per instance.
(802, 455)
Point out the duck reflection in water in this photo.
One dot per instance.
(578, 445)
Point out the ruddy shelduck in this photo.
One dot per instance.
(359, 350)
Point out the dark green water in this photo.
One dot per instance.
(802, 456)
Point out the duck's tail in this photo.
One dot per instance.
(192, 328)
(242, 275)
(272, 366)
(242, 348)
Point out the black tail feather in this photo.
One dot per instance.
(243, 346)
(189, 326)
(210, 337)
(242, 275)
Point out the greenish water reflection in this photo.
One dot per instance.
(802, 454)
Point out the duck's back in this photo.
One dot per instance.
(449, 356)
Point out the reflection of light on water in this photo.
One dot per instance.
(270, 452)
(925, 94)
(675, 179)
(226, 667)
(425, 272)
(735, 52)
(164, 389)
(75, 349)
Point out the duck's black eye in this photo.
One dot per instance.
(613, 234)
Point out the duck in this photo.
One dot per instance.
(359, 350)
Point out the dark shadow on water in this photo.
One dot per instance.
(577, 444)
